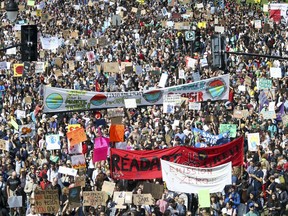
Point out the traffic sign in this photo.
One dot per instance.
(189, 35)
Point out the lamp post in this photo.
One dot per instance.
(12, 10)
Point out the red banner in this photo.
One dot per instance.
(126, 164)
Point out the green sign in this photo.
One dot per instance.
(232, 128)
(264, 83)
(204, 198)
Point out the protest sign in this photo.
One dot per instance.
(156, 190)
(130, 103)
(127, 164)
(112, 67)
(14, 124)
(210, 138)
(143, 199)
(126, 195)
(268, 114)
(15, 201)
(117, 120)
(59, 99)
(72, 127)
(39, 67)
(204, 198)
(231, 128)
(27, 130)
(49, 43)
(264, 83)
(163, 79)
(187, 179)
(53, 141)
(67, 171)
(18, 70)
(168, 108)
(76, 136)
(4, 145)
(78, 161)
(80, 181)
(94, 198)
(117, 133)
(275, 72)
(194, 106)
(253, 141)
(74, 196)
(237, 114)
(46, 201)
(100, 149)
(108, 187)
(115, 112)
(76, 149)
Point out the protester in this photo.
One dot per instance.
(147, 41)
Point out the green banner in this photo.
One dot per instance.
(232, 128)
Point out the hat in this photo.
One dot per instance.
(251, 205)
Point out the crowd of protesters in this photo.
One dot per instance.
(258, 188)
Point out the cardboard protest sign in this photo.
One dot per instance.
(117, 120)
(117, 133)
(46, 201)
(78, 161)
(58, 62)
(108, 187)
(94, 198)
(4, 145)
(143, 199)
(18, 70)
(44, 17)
(80, 181)
(76, 136)
(253, 141)
(156, 190)
(112, 67)
(74, 196)
(102, 41)
(125, 195)
(237, 114)
(182, 25)
(115, 112)
(91, 42)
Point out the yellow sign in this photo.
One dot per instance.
(38, 13)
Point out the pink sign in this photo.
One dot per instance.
(100, 149)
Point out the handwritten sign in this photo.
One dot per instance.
(143, 199)
(232, 128)
(72, 127)
(118, 195)
(108, 187)
(112, 67)
(76, 136)
(265, 83)
(46, 201)
(4, 145)
(94, 198)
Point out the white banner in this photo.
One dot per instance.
(59, 100)
(187, 179)
(67, 171)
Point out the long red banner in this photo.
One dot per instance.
(126, 164)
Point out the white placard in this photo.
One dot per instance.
(53, 142)
(199, 6)
(275, 72)
(219, 29)
(253, 141)
(168, 108)
(258, 24)
(130, 103)
(187, 179)
(67, 171)
(265, 8)
(172, 98)
(271, 106)
(194, 106)
(163, 80)
(181, 74)
(39, 67)
(242, 88)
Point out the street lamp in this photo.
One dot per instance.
(12, 10)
